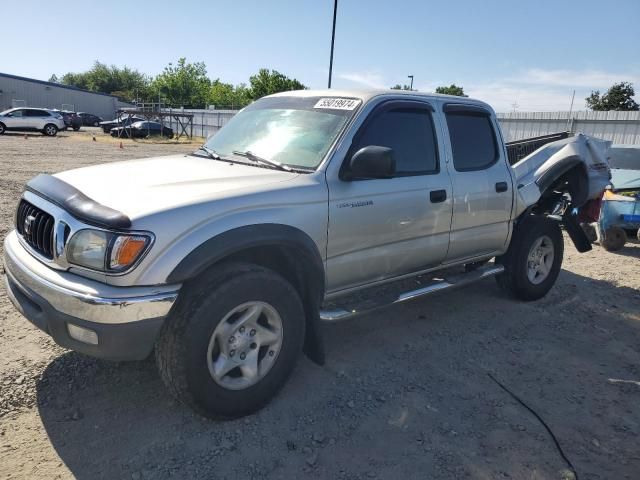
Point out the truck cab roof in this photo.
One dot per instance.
(366, 95)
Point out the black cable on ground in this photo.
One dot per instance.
(544, 424)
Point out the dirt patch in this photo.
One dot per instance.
(404, 394)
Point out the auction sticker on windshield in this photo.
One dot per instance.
(337, 103)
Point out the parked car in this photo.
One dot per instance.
(142, 130)
(224, 262)
(122, 121)
(89, 119)
(71, 119)
(31, 119)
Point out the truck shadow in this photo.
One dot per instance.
(404, 394)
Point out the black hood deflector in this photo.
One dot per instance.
(77, 203)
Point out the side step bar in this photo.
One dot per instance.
(438, 285)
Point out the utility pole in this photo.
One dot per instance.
(333, 37)
(410, 86)
(570, 110)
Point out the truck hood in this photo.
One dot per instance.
(141, 187)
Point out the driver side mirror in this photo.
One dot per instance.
(371, 162)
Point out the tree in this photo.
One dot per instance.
(184, 84)
(266, 82)
(125, 82)
(225, 95)
(452, 89)
(397, 86)
(618, 97)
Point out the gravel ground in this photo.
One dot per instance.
(405, 392)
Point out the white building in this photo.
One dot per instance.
(27, 92)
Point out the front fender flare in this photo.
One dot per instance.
(242, 238)
(311, 268)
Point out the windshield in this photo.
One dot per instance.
(294, 131)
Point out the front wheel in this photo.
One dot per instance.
(2, 128)
(50, 130)
(532, 262)
(232, 341)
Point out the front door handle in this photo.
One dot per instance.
(502, 187)
(438, 196)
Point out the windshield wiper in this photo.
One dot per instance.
(252, 156)
(210, 153)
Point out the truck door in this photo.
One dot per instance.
(482, 183)
(382, 228)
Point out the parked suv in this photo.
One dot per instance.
(31, 119)
(224, 262)
(71, 119)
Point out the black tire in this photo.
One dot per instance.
(50, 130)
(515, 279)
(182, 348)
(2, 128)
(75, 129)
(612, 239)
(96, 124)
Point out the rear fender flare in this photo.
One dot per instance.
(573, 170)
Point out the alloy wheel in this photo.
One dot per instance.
(245, 345)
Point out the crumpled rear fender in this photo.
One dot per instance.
(580, 160)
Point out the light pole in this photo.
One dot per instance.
(410, 86)
(333, 37)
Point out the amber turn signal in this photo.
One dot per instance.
(126, 250)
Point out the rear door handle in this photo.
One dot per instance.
(502, 187)
(438, 196)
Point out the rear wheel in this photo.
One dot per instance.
(2, 128)
(50, 130)
(534, 258)
(96, 124)
(232, 341)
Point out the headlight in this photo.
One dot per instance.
(106, 251)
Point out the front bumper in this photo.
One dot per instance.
(126, 320)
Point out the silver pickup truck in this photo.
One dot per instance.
(225, 262)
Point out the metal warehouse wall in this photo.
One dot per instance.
(619, 127)
(48, 95)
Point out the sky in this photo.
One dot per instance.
(523, 55)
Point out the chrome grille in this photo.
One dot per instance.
(36, 227)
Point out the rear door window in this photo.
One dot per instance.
(36, 113)
(473, 140)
